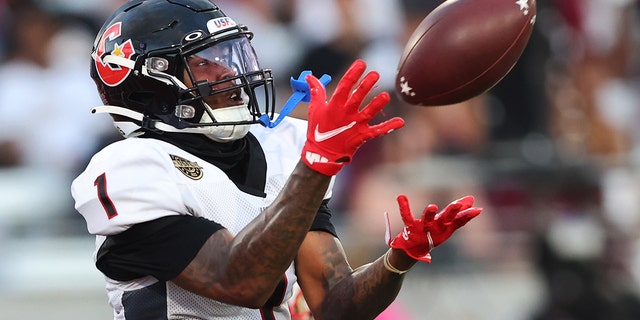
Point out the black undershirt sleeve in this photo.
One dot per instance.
(322, 222)
(162, 248)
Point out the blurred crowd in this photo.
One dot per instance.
(552, 152)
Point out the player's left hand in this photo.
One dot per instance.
(420, 236)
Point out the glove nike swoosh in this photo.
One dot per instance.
(322, 136)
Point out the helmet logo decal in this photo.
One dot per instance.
(220, 24)
(109, 74)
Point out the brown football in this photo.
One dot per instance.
(462, 49)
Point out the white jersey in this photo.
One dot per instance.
(138, 180)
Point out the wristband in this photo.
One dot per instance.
(388, 266)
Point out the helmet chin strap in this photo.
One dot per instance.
(223, 133)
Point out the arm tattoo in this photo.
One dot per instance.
(258, 256)
(356, 294)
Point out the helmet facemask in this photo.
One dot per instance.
(217, 95)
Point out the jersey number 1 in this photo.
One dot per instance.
(103, 196)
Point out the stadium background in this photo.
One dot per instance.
(551, 153)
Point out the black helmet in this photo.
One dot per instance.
(179, 66)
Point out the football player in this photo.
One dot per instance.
(212, 209)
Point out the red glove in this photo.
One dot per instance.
(336, 129)
(420, 236)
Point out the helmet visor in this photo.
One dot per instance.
(236, 55)
(225, 73)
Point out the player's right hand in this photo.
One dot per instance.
(337, 128)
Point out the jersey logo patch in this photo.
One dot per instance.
(188, 168)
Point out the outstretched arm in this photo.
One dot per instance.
(334, 291)
(244, 269)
